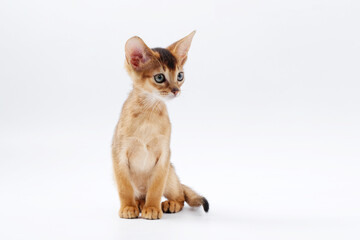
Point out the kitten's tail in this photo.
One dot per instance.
(194, 199)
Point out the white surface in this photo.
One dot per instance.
(267, 125)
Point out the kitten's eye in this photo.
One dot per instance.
(180, 76)
(159, 78)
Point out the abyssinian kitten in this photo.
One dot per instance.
(141, 142)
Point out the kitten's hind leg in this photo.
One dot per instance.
(174, 193)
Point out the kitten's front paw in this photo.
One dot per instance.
(129, 212)
(171, 206)
(151, 213)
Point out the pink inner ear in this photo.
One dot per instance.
(182, 51)
(135, 58)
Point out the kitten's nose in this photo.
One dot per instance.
(175, 91)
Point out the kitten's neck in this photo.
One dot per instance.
(147, 101)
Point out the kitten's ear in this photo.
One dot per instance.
(181, 47)
(138, 55)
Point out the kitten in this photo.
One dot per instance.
(141, 142)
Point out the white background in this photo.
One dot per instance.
(267, 125)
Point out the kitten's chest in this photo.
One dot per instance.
(149, 138)
(146, 127)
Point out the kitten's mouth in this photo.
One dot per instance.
(167, 96)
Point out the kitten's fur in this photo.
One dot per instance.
(141, 143)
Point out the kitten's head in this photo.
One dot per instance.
(157, 71)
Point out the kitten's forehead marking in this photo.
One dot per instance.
(166, 58)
